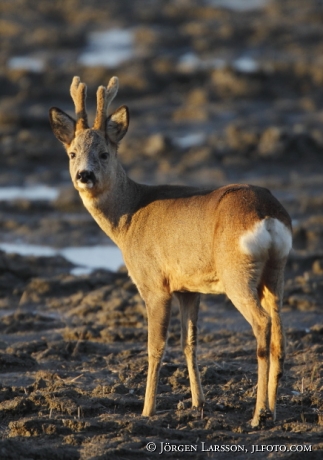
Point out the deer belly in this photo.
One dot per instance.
(198, 283)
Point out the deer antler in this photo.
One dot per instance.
(104, 98)
(78, 93)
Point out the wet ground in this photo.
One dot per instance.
(218, 92)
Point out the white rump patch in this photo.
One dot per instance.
(267, 234)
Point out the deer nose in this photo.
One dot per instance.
(85, 176)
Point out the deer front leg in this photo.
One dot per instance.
(189, 306)
(158, 312)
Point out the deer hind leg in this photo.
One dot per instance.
(158, 312)
(242, 291)
(271, 294)
(189, 306)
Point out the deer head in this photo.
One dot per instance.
(92, 151)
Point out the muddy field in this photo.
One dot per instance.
(218, 92)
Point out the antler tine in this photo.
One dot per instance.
(104, 98)
(78, 93)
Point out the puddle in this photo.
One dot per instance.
(189, 62)
(26, 63)
(33, 193)
(246, 65)
(88, 258)
(238, 5)
(93, 257)
(108, 49)
(190, 140)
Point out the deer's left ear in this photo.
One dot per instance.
(63, 125)
(117, 124)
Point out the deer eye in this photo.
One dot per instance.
(72, 155)
(104, 156)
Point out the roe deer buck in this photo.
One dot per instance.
(183, 241)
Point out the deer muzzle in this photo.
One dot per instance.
(86, 177)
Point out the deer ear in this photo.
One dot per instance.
(63, 125)
(117, 124)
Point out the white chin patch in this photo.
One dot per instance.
(86, 186)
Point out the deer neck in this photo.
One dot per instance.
(113, 208)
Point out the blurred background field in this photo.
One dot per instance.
(218, 92)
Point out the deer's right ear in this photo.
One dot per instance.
(117, 124)
(63, 125)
